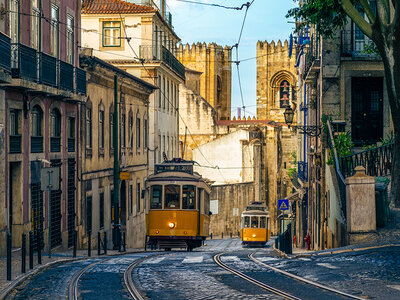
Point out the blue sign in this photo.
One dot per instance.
(283, 204)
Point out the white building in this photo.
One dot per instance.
(140, 40)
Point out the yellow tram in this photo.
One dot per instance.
(255, 225)
(178, 201)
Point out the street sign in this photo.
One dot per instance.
(124, 175)
(283, 204)
(50, 176)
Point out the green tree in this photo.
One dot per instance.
(382, 26)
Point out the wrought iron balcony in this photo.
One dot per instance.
(302, 169)
(5, 50)
(173, 62)
(48, 70)
(36, 144)
(55, 144)
(356, 45)
(24, 62)
(312, 54)
(66, 76)
(71, 145)
(80, 81)
(15, 143)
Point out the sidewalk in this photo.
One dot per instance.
(56, 257)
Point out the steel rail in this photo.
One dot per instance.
(73, 286)
(310, 282)
(217, 259)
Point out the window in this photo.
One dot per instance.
(130, 130)
(176, 99)
(89, 128)
(123, 131)
(14, 17)
(36, 121)
(189, 197)
(263, 222)
(206, 203)
(14, 122)
(111, 128)
(71, 128)
(101, 221)
(89, 214)
(138, 209)
(168, 95)
(138, 132)
(172, 197)
(111, 34)
(101, 129)
(159, 148)
(246, 222)
(163, 90)
(131, 198)
(55, 123)
(254, 222)
(35, 17)
(145, 134)
(284, 94)
(54, 29)
(156, 194)
(159, 91)
(70, 40)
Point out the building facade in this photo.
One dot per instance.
(40, 98)
(97, 127)
(140, 40)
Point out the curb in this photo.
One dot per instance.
(36, 270)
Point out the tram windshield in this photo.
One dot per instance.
(156, 192)
(172, 196)
(189, 197)
(263, 222)
(254, 222)
(246, 222)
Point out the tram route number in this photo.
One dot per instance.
(283, 204)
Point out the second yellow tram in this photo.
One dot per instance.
(255, 225)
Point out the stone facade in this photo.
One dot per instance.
(214, 63)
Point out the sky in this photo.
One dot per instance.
(265, 21)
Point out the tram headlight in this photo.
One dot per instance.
(254, 235)
(171, 225)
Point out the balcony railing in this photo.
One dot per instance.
(15, 143)
(71, 145)
(36, 144)
(80, 81)
(302, 170)
(312, 53)
(357, 45)
(5, 50)
(66, 76)
(55, 144)
(24, 62)
(376, 161)
(173, 62)
(48, 70)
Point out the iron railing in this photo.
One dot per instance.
(312, 53)
(295, 180)
(36, 144)
(24, 62)
(80, 81)
(71, 145)
(48, 69)
(5, 50)
(302, 169)
(66, 76)
(173, 62)
(15, 143)
(357, 45)
(55, 144)
(376, 161)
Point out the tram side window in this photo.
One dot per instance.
(263, 222)
(246, 222)
(189, 197)
(172, 196)
(156, 192)
(206, 203)
(254, 222)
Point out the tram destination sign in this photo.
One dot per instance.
(166, 167)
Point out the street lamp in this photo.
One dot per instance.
(307, 130)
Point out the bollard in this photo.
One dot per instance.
(222, 235)
(98, 243)
(31, 250)
(9, 245)
(105, 243)
(39, 246)
(231, 234)
(89, 249)
(23, 253)
(75, 243)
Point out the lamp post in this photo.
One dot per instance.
(307, 130)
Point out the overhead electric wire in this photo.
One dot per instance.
(213, 4)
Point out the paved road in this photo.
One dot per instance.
(194, 275)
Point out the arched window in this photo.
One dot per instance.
(284, 94)
(55, 130)
(36, 130)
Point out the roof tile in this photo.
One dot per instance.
(113, 7)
